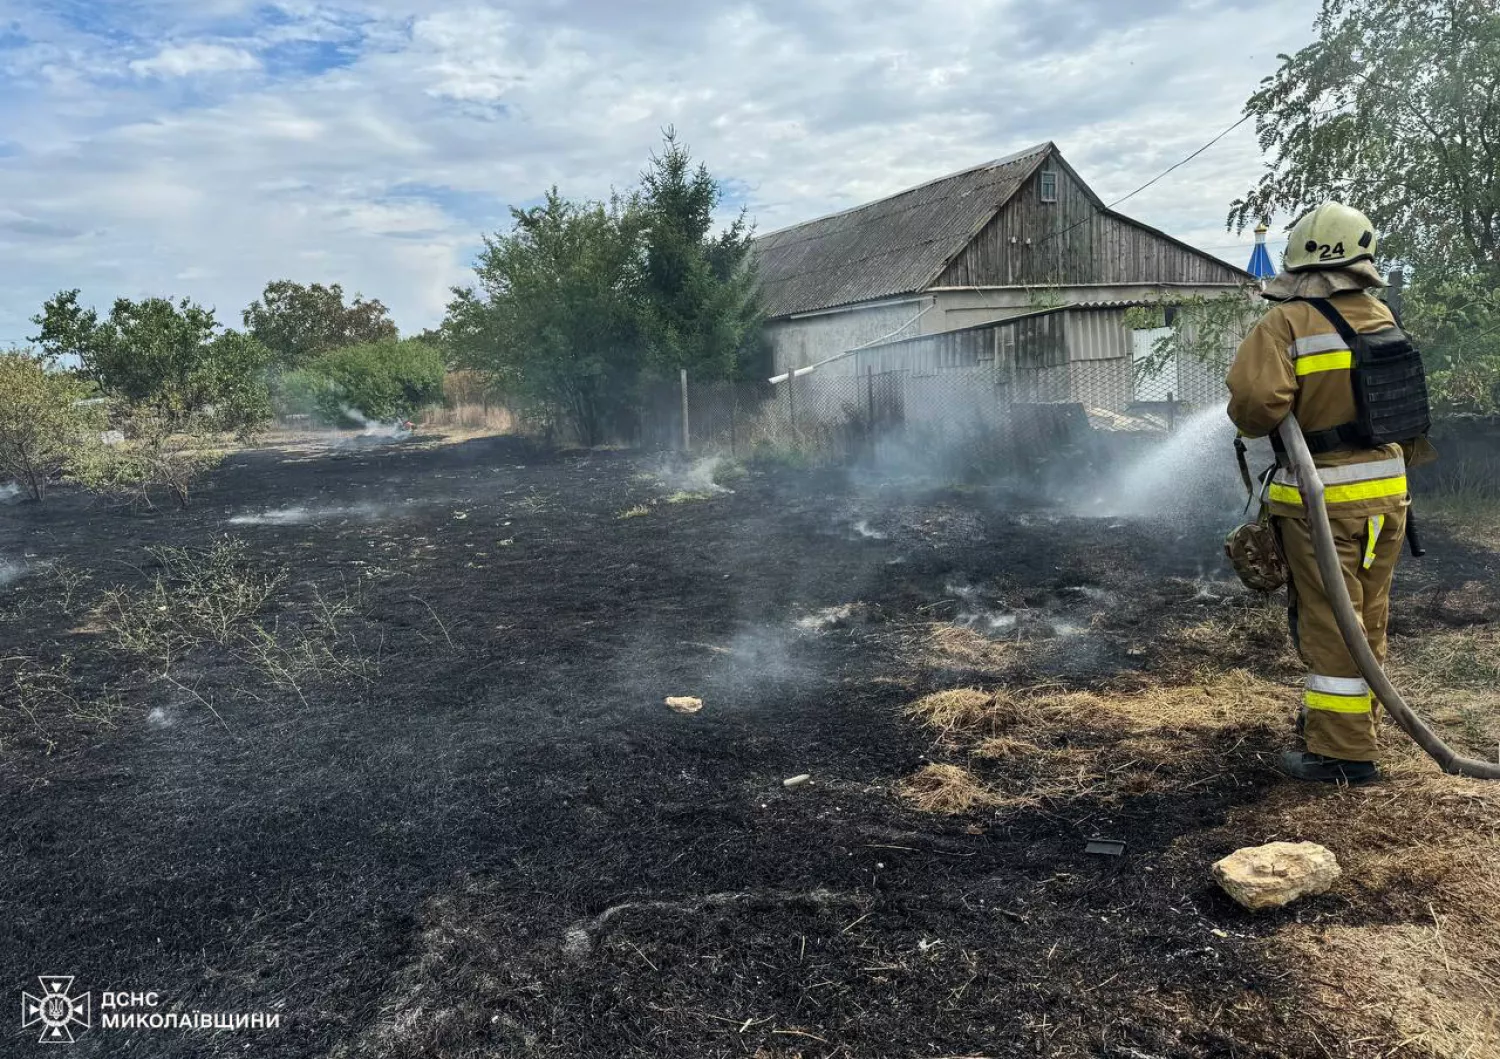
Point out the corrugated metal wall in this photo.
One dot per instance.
(798, 342)
(1098, 334)
(1082, 355)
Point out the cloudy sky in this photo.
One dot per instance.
(203, 147)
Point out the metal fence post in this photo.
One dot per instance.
(791, 401)
(734, 412)
(1171, 412)
(687, 436)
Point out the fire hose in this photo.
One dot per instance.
(1353, 632)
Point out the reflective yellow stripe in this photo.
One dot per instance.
(1321, 700)
(1377, 523)
(1342, 360)
(1344, 494)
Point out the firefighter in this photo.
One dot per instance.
(1332, 353)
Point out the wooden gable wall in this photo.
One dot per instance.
(1073, 241)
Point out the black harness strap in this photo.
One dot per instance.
(1350, 336)
(1345, 435)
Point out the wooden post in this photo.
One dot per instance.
(687, 435)
(734, 414)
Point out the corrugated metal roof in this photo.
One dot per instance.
(894, 246)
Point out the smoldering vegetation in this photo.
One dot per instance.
(425, 710)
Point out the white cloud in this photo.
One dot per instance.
(185, 60)
(380, 138)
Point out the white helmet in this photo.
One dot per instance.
(1331, 236)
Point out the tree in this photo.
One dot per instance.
(165, 356)
(298, 321)
(1455, 317)
(1394, 109)
(43, 425)
(698, 306)
(555, 318)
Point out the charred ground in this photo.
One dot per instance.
(464, 823)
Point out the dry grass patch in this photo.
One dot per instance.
(1464, 658)
(1236, 699)
(959, 709)
(1060, 747)
(953, 645)
(1452, 679)
(946, 789)
(1409, 984)
(1251, 634)
(1421, 859)
(1003, 748)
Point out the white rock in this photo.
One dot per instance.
(1276, 874)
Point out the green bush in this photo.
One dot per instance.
(44, 427)
(372, 380)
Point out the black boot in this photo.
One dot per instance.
(1315, 768)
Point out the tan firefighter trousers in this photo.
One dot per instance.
(1338, 711)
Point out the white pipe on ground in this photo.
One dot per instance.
(1332, 573)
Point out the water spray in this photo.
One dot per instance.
(1332, 573)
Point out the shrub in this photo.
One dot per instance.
(376, 380)
(151, 457)
(43, 427)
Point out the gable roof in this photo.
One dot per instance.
(901, 244)
(893, 246)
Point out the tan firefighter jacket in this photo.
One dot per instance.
(1295, 361)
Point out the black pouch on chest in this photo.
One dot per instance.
(1390, 388)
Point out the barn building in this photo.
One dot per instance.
(919, 280)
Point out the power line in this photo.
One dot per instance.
(1147, 184)
(1182, 163)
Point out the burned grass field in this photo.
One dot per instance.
(377, 740)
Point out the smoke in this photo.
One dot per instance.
(10, 571)
(9, 491)
(694, 477)
(397, 429)
(1067, 613)
(296, 516)
(839, 617)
